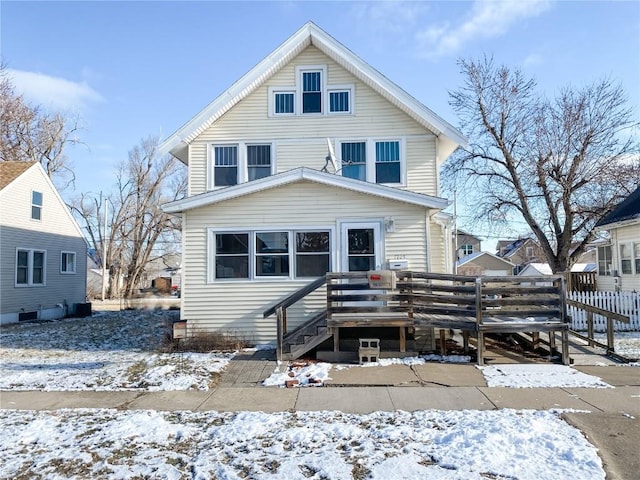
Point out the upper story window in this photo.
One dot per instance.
(36, 205)
(374, 161)
(636, 254)
(312, 92)
(30, 267)
(311, 95)
(239, 163)
(466, 250)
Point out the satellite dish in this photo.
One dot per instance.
(331, 157)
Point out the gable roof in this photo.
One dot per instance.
(474, 256)
(300, 174)
(9, 171)
(510, 247)
(628, 209)
(310, 34)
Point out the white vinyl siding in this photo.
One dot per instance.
(303, 206)
(300, 140)
(624, 235)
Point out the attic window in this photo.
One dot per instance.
(283, 103)
(36, 205)
(312, 92)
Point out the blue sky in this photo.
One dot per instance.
(134, 69)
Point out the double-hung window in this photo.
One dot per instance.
(258, 161)
(225, 161)
(354, 160)
(625, 259)
(604, 260)
(374, 161)
(466, 249)
(636, 254)
(68, 262)
(36, 205)
(269, 254)
(312, 92)
(30, 267)
(388, 162)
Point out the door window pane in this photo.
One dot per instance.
(354, 160)
(361, 249)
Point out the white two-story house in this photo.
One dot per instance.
(312, 162)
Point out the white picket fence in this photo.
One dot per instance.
(624, 303)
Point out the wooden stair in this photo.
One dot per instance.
(306, 337)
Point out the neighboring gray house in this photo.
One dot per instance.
(467, 244)
(520, 252)
(484, 263)
(44, 254)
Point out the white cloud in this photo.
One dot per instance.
(55, 92)
(487, 19)
(389, 16)
(532, 60)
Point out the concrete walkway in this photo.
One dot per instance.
(613, 425)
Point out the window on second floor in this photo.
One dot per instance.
(239, 163)
(312, 92)
(374, 161)
(625, 259)
(636, 254)
(466, 250)
(36, 205)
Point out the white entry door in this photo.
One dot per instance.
(361, 247)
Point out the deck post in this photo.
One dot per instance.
(565, 347)
(403, 339)
(279, 333)
(590, 328)
(480, 345)
(465, 341)
(610, 345)
(552, 342)
(535, 340)
(336, 339)
(443, 343)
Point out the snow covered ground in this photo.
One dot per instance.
(114, 351)
(108, 351)
(461, 445)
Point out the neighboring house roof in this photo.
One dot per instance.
(308, 174)
(475, 257)
(462, 232)
(628, 209)
(534, 269)
(510, 247)
(310, 34)
(9, 171)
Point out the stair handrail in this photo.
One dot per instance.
(295, 296)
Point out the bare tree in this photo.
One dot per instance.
(138, 229)
(29, 133)
(559, 165)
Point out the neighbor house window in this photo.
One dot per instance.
(232, 255)
(466, 250)
(313, 254)
(68, 262)
(36, 205)
(225, 171)
(636, 255)
(625, 258)
(30, 267)
(604, 260)
(339, 101)
(354, 160)
(272, 254)
(283, 103)
(388, 162)
(312, 92)
(258, 161)
(269, 254)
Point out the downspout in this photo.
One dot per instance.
(444, 225)
(427, 233)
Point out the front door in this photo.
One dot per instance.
(361, 247)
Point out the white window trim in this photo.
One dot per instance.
(272, 101)
(608, 273)
(631, 258)
(340, 88)
(30, 283)
(371, 157)
(75, 259)
(291, 230)
(243, 170)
